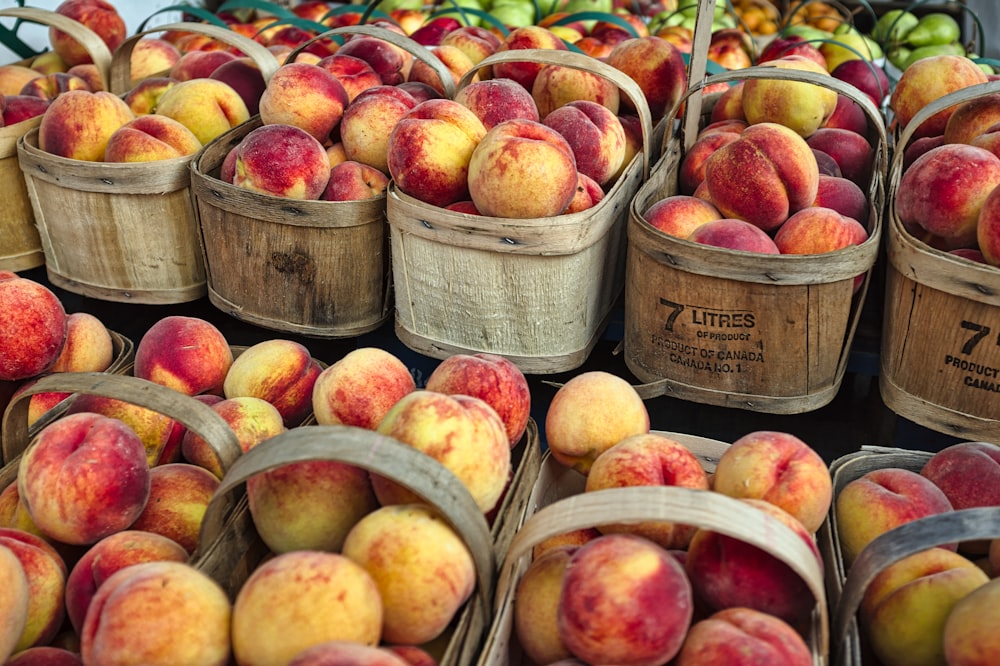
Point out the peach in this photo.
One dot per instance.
(931, 78)
(98, 15)
(49, 62)
(517, 156)
(491, 378)
(306, 96)
(88, 346)
(151, 137)
(14, 77)
(388, 60)
(346, 653)
(943, 191)
(244, 76)
(412, 655)
(282, 161)
(826, 164)
(816, 230)
(726, 572)
(46, 573)
(988, 228)
(728, 107)
(801, 106)
(556, 86)
(453, 58)
(475, 41)
(18, 108)
(355, 74)
(14, 514)
(187, 354)
(160, 435)
(45, 656)
(589, 414)
(733, 234)
(657, 66)
(429, 150)
(588, 194)
(917, 592)
(52, 85)
(743, 637)
(780, 468)
(59, 474)
(267, 626)
(354, 181)
(919, 146)
(33, 331)
(252, 419)
(595, 135)
(423, 570)
(791, 44)
(433, 30)
(968, 638)
(649, 459)
(843, 196)
(77, 124)
(848, 115)
(144, 97)
(866, 76)
(128, 616)
(624, 600)
(152, 56)
(369, 120)
(179, 494)
(419, 91)
(279, 371)
(461, 432)
(496, 100)
(207, 107)
(880, 500)
(774, 163)
(14, 599)
(526, 37)
(110, 554)
(691, 171)
(309, 505)
(576, 537)
(852, 152)
(536, 606)
(968, 473)
(360, 388)
(199, 64)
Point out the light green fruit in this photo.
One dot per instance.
(807, 32)
(934, 29)
(575, 6)
(513, 14)
(898, 56)
(936, 49)
(894, 26)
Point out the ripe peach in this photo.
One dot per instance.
(491, 378)
(589, 414)
(571, 538)
(369, 120)
(346, 653)
(49, 62)
(595, 135)
(57, 478)
(281, 372)
(360, 388)
(514, 156)
(113, 552)
(98, 15)
(536, 606)
(657, 66)
(588, 194)
(625, 599)
(33, 330)
(453, 58)
(774, 163)
(388, 60)
(848, 115)
(968, 638)
(267, 626)
(556, 85)
(475, 41)
(152, 56)
(188, 354)
(355, 74)
(144, 97)
(244, 76)
(282, 161)
(14, 514)
(931, 78)
(18, 108)
(78, 124)
(526, 37)
(199, 64)
(208, 107)
(14, 77)
(852, 152)
(306, 96)
(159, 434)
(496, 100)
(461, 432)
(46, 573)
(691, 171)
(45, 655)
(354, 181)
(129, 615)
(816, 230)
(151, 137)
(733, 234)
(412, 655)
(988, 228)
(14, 598)
(252, 419)
(843, 196)
(179, 494)
(649, 459)
(866, 76)
(88, 346)
(743, 637)
(52, 85)
(801, 106)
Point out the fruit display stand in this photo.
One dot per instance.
(122, 232)
(538, 291)
(22, 246)
(316, 268)
(939, 356)
(558, 504)
(803, 308)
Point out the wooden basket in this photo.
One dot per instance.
(792, 317)
(559, 504)
(22, 246)
(940, 355)
(538, 291)
(228, 548)
(121, 231)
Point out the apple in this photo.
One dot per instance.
(929, 79)
(179, 494)
(77, 124)
(199, 64)
(880, 500)
(99, 16)
(355, 74)
(88, 346)
(657, 66)
(152, 56)
(526, 37)
(433, 30)
(306, 96)
(33, 330)
(799, 105)
(267, 626)
(13, 78)
(14, 599)
(734, 234)
(589, 414)
(187, 354)
(282, 161)
(360, 388)
(151, 137)
(848, 115)
(791, 44)
(865, 75)
(816, 230)
(369, 120)
(207, 107)
(46, 573)
(243, 75)
(144, 97)
(110, 554)
(346, 653)
(354, 181)
(968, 638)
(743, 637)
(129, 617)
(556, 86)
(518, 155)
(492, 378)
(496, 100)
(843, 196)
(279, 371)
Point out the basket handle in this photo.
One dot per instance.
(412, 47)
(584, 63)
(120, 69)
(376, 453)
(903, 541)
(704, 509)
(99, 52)
(193, 414)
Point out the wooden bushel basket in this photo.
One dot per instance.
(538, 291)
(122, 231)
(21, 248)
(558, 504)
(940, 357)
(778, 330)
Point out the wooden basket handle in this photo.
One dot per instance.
(584, 63)
(121, 61)
(193, 414)
(99, 52)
